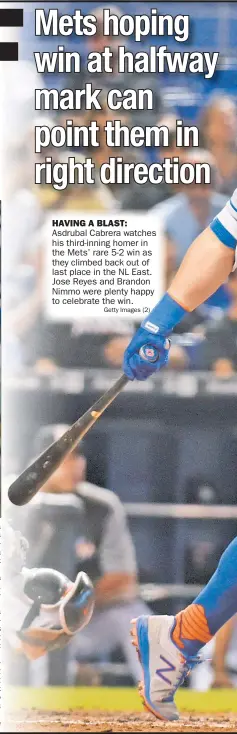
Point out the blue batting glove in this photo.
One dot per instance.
(153, 334)
(134, 365)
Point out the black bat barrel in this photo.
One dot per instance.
(32, 479)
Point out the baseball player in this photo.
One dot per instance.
(168, 646)
(71, 525)
(42, 608)
(219, 660)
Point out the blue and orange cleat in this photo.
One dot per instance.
(164, 666)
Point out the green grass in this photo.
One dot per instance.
(115, 699)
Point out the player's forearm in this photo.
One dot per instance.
(205, 267)
(115, 586)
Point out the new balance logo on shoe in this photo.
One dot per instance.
(169, 669)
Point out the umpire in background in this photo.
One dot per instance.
(74, 525)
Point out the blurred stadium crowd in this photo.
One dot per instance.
(43, 348)
(184, 210)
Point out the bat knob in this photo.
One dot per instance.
(149, 353)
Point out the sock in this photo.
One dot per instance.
(217, 603)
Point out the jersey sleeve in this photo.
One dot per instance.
(225, 224)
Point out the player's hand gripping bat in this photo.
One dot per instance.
(32, 479)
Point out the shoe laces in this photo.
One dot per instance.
(184, 671)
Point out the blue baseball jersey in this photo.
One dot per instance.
(225, 224)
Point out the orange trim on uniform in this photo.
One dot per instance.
(186, 308)
(191, 624)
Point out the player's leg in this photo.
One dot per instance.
(108, 630)
(217, 603)
(94, 644)
(120, 618)
(168, 645)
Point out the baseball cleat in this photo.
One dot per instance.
(164, 667)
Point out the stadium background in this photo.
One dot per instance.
(178, 478)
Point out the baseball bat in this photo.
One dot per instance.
(23, 489)
(32, 479)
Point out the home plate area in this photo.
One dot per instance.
(115, 710)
